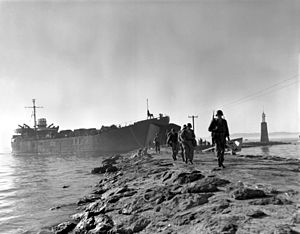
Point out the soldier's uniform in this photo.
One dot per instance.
(188, 137)
(173, 142)
(181, 142)
(219, 129)
(157, 144)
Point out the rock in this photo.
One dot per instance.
(296, 218)
(86, 223)
(284, 229)
(98, 207)
(120, 230)
(103, 224)
(129, 193)
(135, 206)
(271, 200)
(111, 169)
(157, 208)
(160, 200)
(186, 177)
(107, 168)
(140, 224)
(222, 224)
(256, 214)
(64, 228)
(99, 191)
(216, 169)
(88, 199)
(184, 219)
(109, 161)
(184, 202)
(98, 170)
(229, 228)
(77, 217)
(55, 208)
(160, 194)
(167, 175)
(127, 210)
(247, 193)
(45, 232)
(223, 204)
(125, 191)
(94, 224)
(215, 181)
(200, 187)
(165, 164)
(181, 177)
(114, 198)
(190, 202)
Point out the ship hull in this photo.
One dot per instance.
(138, 135)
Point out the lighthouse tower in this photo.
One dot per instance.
(264, 137)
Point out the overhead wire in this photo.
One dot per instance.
(262, 91)
(275, 87)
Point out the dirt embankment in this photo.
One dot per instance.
(151, 193)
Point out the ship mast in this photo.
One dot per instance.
(34, 112)
(147, 109)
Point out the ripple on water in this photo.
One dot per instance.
(31, 185)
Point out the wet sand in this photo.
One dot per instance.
(153, 194)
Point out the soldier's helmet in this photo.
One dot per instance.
(219, 112)
(189, 125)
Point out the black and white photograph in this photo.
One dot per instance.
(149, 116)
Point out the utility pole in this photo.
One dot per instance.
(193, 118)
(34, 112)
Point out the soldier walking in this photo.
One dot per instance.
(156, 143)
(172, 141)
(181, 142)
(219, 129)
(189, 142)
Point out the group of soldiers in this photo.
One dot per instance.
(185, 140)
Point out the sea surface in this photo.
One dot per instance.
(285, 151)
(31, 185)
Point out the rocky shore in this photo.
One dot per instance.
(150, 193)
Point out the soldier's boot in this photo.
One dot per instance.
(222, 160)
(219, 161)
(174, 156)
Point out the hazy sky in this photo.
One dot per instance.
(93, 63)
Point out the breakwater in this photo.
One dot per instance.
(150, 193)
(257, 143)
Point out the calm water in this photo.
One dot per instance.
(286, 151)
(31, 185)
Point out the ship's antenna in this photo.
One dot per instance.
(34, 111)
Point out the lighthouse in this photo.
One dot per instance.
(264, 137)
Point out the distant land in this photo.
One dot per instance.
(271, 134)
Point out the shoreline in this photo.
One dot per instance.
(151, 193)
(249, 144)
